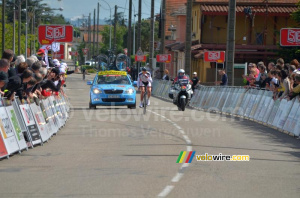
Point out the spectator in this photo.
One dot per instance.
(295, 62)
(51, 78)
(271, 66)
(284, 88)
(195, 81)
(30, 61)
(3, 79)
(4, 65)
(263, 80)
(43, 71)
(224, 80)
(280, 62)
(21, 68)
(36, 67)
(9, 55)
(296, 90)
(262, 69)
(20, 59)
(166, 76)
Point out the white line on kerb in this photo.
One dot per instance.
(166, 191)
(179, 175)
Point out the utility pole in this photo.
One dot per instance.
(188, 40)
(89, 36)
(163, 27)
(14, 27)
(139, 25)
(152, 35)
(230, 48)
(26, 28)
(3, 25)
(98, 12)
(94, 32)
(129, 29)
(19, 28)
(115, 29)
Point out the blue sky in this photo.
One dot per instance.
(76, 8)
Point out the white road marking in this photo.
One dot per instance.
(180, 173)
(177, 177)
(166, 191)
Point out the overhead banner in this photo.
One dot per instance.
(47, 34)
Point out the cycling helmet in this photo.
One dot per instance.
(144, 69)
(181, 71)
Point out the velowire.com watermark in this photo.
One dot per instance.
(208, 158)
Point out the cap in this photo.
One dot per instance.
(3, 77)
(41, 51)
(144, 69)
(195, 73)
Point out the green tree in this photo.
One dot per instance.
(104, 46)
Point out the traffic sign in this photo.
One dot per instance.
(290, 37)
(163, 58)
(48, 34)
(214, 56)
(74, 53)
(85, 51)
(140, 58)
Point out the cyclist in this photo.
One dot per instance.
(144, 80)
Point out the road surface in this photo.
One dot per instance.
(117, 152)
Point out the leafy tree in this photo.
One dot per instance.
(120, 19)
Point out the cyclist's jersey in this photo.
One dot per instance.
(142, 79)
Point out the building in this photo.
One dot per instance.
(258, 23)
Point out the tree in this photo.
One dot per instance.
(120, 19)
(121, 31)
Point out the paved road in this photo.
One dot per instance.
(116, 152)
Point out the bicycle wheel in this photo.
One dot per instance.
(145, 102)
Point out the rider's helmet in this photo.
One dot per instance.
(144, 69)
(180, 71)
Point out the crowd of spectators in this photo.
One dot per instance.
(33, 78)
(283, 79)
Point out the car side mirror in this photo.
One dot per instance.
(134, 83)
(89, 82)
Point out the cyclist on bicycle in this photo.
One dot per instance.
(144, 80)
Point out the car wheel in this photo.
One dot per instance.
(92, 106)
(132, 106)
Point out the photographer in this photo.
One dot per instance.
(49, 82)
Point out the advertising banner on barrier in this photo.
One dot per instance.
(292, 119)
(30, 124)
(55, 111)
(3, 151)
(40, 122)
(7, 132)
(15, 123)
(51, 118)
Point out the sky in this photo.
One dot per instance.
(74, 9)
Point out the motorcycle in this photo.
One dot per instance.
(181, 93)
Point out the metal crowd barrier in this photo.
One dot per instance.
(26, 125)
(253, 104)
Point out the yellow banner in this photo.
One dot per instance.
(112, 72)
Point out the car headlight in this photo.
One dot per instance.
(130, 91)
(97, 91)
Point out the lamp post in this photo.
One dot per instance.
(110, 23)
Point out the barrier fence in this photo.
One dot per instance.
(26, 125)
(254, 104)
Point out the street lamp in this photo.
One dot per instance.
(110, 23)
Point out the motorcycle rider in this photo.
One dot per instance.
(144, 80)
(181, 76)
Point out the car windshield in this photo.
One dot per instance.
(113, 79)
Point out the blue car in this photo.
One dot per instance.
(112, 88)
